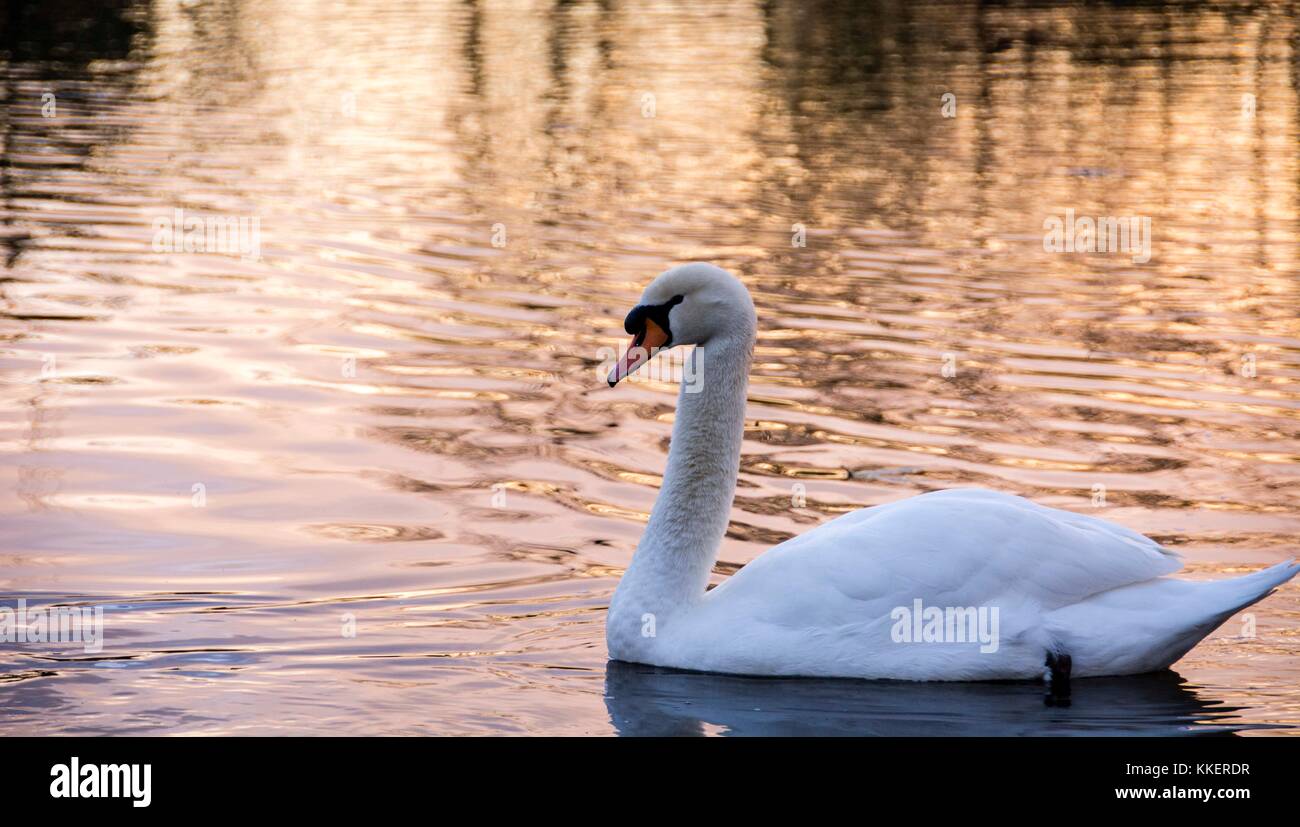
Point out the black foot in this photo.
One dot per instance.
(1058, 681)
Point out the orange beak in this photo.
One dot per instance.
(644, 345)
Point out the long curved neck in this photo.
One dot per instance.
(672, 563)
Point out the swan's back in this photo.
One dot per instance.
(962, 547)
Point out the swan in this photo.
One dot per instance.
(953, 585)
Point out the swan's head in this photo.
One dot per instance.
(687, 305)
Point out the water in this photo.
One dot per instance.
(370, 482)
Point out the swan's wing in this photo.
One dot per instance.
(960, 547)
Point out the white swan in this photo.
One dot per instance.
(839, 601)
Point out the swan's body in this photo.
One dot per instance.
(829, 602)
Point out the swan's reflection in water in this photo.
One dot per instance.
(646, 700)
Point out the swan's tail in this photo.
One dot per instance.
(1148, 626)
(1239, 592)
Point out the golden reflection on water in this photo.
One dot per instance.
(395, 413)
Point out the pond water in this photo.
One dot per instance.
(350, 468)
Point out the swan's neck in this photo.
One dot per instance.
(670, 569)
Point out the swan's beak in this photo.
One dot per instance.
(643, 346)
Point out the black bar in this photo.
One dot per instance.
(300, 775)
